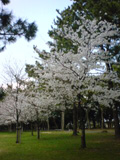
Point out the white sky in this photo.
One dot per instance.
(43, 12)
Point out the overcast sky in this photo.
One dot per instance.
(43, 13)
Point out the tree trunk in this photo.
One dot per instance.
(82, 122)
(87, 117)
(94, 124)
(75, 119)
(102, 119)
(32, 128)
(38, 131)
(18, 128)
(83, 139)
(54, 121)
(22, 127)
(10, 127)
(110, 124)
(18, 134)
(48, 125)
(116, 122)
(62, 120)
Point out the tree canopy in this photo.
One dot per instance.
(11, 28)
(100, 9)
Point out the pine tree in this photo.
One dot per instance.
(11, 29)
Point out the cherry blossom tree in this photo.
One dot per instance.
(38, 104)
(80, 72)
(12, 107)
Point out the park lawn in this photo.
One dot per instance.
(59, 146)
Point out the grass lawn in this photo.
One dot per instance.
(59, 146)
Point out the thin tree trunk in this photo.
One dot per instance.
(62, 120)
(56, 126)
(102, 119)
(82, 122)
(83, 139)
(18, 128)
(38, 133)
(87, 116)
(110, 124)
(116, 122)
(38, 130)
(22, 127)
(32, 128)
(75, 119)
(94, 124)
(18, 134)
(10, 127)
(48, 124)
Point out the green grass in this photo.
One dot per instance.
(59, 146)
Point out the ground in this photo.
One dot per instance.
(58, 145)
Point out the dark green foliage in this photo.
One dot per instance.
(104, 9)
(5, 1)
(66, 17)
(11, 29)
(30, 70)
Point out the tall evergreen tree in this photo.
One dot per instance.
(11, 29)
